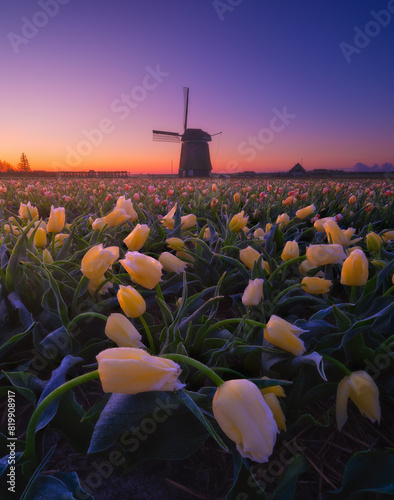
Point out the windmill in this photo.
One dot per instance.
(195, 160)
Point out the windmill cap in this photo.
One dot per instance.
(195, 134)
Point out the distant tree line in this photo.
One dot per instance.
(23, 165)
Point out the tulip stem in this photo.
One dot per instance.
(53, 244)
(148, 334)
(86, 315)
(353, 293)
(200, 366)
(30, 448)
(159, 292)
(390, 290)
(338, 363)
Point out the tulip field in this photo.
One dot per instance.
(238, 330)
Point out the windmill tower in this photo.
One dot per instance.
(195, 160)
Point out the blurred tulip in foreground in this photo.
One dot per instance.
(238, 222)
(290, 251)
(136, 239)
(97, 260)
(304, 212)
(321, 255)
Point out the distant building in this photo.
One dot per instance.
(297, 171)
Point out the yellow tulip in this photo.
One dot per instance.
(321, 255)
(27, 211)
(304, 212)
(248, 256)
(117, 217)
(364, 393)
(305, 266)
(122, 331)
(168, 219)
(175, 244)
(275, 389)
(46, 257)
(282, 219)
(334, 234)
(188, 221)
(40, 238)
(283, 334)
(94, 284)
(388, 236)
(253, 292)
(57, 219)
(144, 270)
(315, 285)
(98, 224)
(97, 260)
(373, 241)
(127, 206)
(136, 239)
(355, 269)
(352, 200)
(171, 263)
(238, 222)
(237, 198)
(259, 233)
(319, 223)
(274, 405)
(131, 302)
(128, 370)
(243, 415)
(290, 251)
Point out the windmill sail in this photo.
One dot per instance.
(186, 105)
(161, 136)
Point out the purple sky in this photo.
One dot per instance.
(83, 86)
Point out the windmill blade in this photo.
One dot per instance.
(162, 136)
(186, 104)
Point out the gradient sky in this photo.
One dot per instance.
(272, 76)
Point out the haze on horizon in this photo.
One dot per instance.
(84, 83)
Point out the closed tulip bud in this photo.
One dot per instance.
(268, 227)
(122, 331)
(27, 211)
(144, 270)
(128, 370)
(237, 198)
(175, 244)
(243, 415)
(364, 393)
(374, 242)
(305, 266)
(98, 224)
(290, 251)
(315, 285)
(274, 389)
(321, 255)
(282, 219)
(57, 219)
(117, 217)
(280, 333)
(127, 206)
(248, 256)
(253, 292)
(136, 239)
(185, 256)
(352, 200)
(171, 263)
(302, 213)
(97, 260)
(274, 405)
(238, 222)
(207, 233)
(388, 236)
(131, 302)
(188, 221)
(355, 269)
(40, 238)
(334, 234)
(259, 233)
(46, 257)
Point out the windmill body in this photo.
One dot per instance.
(195, 159)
